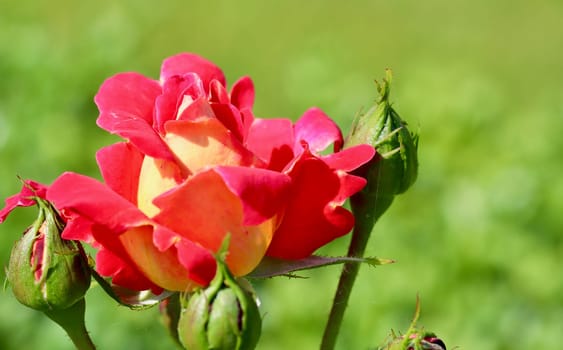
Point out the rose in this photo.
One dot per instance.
(197, 165)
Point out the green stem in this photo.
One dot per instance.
(72, 321)
(367, 214)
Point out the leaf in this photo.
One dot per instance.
(271, 267)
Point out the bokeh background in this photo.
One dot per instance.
(479, 236)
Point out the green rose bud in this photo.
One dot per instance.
(415, 338)
(423, 341)
(224, 316)
(395, 168)
(45, 271)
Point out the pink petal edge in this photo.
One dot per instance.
(24, 198)
(318, 130)
(96, 202)
(120, 165)
(183, 63)
(350, 158)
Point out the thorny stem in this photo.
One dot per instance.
(348, 276)
(367, 211)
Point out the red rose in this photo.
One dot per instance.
(196, 165)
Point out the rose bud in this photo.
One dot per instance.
(395, 168)
(424, 341)
(45, 271)
(224, 316)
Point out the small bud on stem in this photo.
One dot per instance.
(223, 316)
(395, 168)
(50, 274)
(45, 271)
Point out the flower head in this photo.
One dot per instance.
(195, 165)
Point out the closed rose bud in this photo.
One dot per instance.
(45, 271)
(424, 341)
(224, 316)
(395, 168)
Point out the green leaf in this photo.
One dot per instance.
(271, 267)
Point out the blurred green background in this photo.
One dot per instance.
(479, 236)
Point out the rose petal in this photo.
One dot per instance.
(242, 93)
(126, 103)
(197, 109)
(350, 158)
(263, 193)
(313, 216)
(206, 143)
(29, 190)
(138, 132)
(95, 201)
(207, 206)
(120, 165)
(122, 273)
(247, 121)
(78, 228)
(349, 185)
(174, 91)
(318, 130)
(186, 63)
(218, 93)
(114, 261)
(272, 141)
(164, 238)
(156, 177)
(160, 267)
(230, 117)
(36, 257)
(199, 262)
(210, 210)
(128, 96)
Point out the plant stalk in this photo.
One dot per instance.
(345, 284)
(72, 321)
(367, 211)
